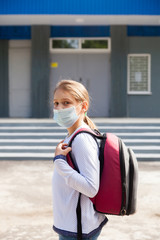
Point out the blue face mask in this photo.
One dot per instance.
(65, 117)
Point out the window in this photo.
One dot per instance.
(139, 73)
(94, 44)
(65, 44)
(74, 45)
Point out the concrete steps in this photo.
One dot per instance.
(31, 139)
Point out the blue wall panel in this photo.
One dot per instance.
(140, 7)
(78, 31)
(146, 31)
(24, 32)
(15, 32)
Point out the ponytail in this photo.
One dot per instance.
(89, 122)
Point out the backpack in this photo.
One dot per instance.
(117, 193)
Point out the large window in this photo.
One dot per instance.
(139, 74)
(80, 45)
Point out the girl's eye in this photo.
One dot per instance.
(55, 104)
(66, 103)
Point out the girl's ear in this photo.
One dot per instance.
(85, 106)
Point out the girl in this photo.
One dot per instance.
(71, 103)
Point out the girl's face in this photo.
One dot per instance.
(63, 99)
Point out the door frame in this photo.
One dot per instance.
(16, 45)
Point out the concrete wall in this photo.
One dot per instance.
(146, 105)
(40, 71)
(4, 98)
(119, 50)
(123, 104)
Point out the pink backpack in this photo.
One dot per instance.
(117, 193)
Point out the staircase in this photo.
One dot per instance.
(36, 139)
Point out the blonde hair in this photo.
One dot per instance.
(79, 92)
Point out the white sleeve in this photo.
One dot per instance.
(85, 152)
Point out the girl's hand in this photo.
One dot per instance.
(62, 149)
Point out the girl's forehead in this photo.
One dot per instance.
(62, 94)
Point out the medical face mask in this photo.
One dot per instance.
(65, 117)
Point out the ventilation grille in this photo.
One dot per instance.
(138, 73)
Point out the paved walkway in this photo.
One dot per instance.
(26, 204)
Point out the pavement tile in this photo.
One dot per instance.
(26, 204)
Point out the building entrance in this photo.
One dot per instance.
(92, 70)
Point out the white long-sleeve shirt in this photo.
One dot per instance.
(67, 183)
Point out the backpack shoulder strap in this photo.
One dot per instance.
(72, 164)
(69, 155)
(93, 133)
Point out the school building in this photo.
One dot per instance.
(112, 47)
